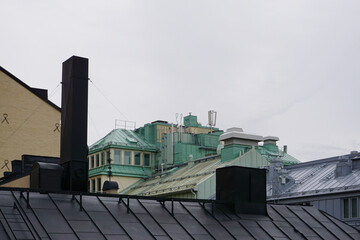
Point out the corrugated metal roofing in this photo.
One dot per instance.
(317, 177)
(122, 138)
(66, 216)
(183, 179)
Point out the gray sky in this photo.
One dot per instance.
(283, 68)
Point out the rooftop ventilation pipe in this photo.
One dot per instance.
(191, 162)
(110, 187)
(46, 176)
(343, 168)
(74, 111)
(237, 142)
(355, 160)
(285, 149)
(242, 189)
(270, 143)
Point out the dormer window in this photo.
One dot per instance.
(131, 140)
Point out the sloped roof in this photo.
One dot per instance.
(40, 93)
(178, 179)
(318, 177)
(94, 216)
(122, 138)
(183, 178)
(286, 159)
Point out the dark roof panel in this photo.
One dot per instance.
(271, 229)
(62, 236)
(95, 216)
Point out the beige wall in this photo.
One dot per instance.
(196, 130)
(163, 129)
(31, 124)
(167, 129)
(122, 181)
(23, 182)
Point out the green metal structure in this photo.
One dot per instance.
(184, 158)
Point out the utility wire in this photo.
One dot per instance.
(55, 90)
(108, 100)
(92, 121)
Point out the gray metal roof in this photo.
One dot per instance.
(37, 215)
(318, 177)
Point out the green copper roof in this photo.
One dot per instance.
(286, 159)
(122, 138)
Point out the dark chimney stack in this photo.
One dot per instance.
(74, 111)
(242, 189)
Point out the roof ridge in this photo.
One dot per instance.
(32, 90)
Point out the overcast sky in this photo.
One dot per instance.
(284, 68)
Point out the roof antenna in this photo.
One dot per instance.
(212, 119)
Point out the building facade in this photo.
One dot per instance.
(131, 158)
(29, 122)
(140, 153)
(195, 178)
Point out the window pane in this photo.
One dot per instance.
(117, 156)
(354, 209)
(107, 156)
(146, 159)
(92, 162)
(103, 158)
(99, 184)
(93, 185)
(97, 160)
(136, 158)
(127, 158)
(346, 208)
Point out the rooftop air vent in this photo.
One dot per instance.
(356, 163)
(242, 189)
(343, 168)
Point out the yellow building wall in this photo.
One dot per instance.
(23, 182)
(196, 130)
(163, 129)
(31, 127)
(122, 181)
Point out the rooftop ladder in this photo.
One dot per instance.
(16, 226)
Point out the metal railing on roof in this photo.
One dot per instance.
(124, 124)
